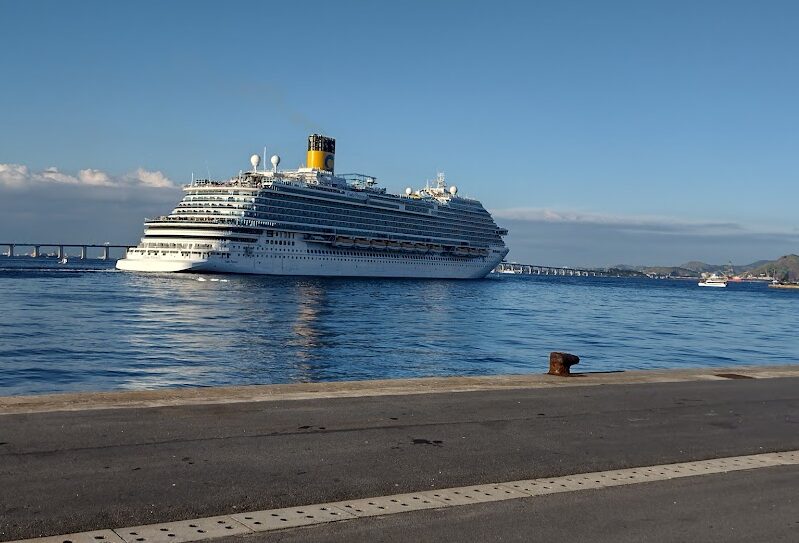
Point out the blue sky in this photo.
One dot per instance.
(672, 126)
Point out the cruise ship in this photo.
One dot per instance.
(313, 222)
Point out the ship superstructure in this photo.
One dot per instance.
(311, 221)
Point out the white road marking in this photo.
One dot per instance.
(305, 515)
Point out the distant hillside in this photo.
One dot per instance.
(624, 272)
(785, 268)
(697, 266)
(750, 267)
(670, 271)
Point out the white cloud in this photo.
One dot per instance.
(622, 222)
(94, 177)
(589, 239)
(152, 179)
(13, 175)
(19, 176)
(88, 206)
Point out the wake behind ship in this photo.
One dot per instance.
(310, 221)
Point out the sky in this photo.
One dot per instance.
(599, 133)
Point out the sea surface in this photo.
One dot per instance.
(85, 326)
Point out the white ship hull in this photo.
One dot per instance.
(714, 285)
(157, 265)
(298, 260)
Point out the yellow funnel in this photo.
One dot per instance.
(321, 152)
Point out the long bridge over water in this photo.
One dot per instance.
(532, 269)
(61, 249)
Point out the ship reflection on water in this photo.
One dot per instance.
(309, 337)
(282, 329)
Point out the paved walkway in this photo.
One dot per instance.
(258, 448)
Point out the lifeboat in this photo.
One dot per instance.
(407, 246)
(343, 242)
(393, 246)
(378, 244)
(362, 243)
(420, 247)
(436, 249)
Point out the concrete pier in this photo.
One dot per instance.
(76, 462)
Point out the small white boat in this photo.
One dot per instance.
(718, 281)
(63, 260)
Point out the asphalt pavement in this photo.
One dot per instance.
(69, 471)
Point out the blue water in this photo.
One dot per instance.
(85, 326)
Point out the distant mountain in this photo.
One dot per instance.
(697, 266)
(752, 266)
(670, 271)
(626, 271)
(785, 268)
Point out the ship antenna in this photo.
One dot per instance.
(192, 178)
(264, 157)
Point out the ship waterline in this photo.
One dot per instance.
(312, 222)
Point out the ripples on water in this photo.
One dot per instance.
(85, 326)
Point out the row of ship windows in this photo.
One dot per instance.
(217, 192)
(275, 214)
(431, 232)
(482, 222)
(363, 255)
(457, 214)
(249, 198)
(176, 246)
(164, 253)
(448, 232)
(438, 262)
(477, 211)
(202, 211)
(383, 255)
(464, 204)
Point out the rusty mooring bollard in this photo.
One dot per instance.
(559, 363)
